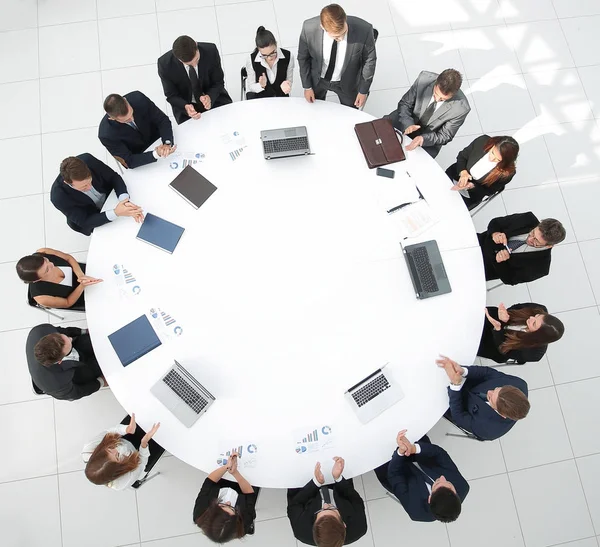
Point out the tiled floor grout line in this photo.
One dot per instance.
(512, 493)
(57, 476)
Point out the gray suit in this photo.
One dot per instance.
(445, 121)
(359, 62)
(70, 379)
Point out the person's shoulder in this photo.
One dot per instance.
(40, 331)
(358, 22)
(207, 47)
(104, 126)
(311, 24)
(461, 99)
(136, 97)
(425, 77)
(166, 58)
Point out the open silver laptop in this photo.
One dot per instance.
(182, 394)
(282, 143)
(376, 393)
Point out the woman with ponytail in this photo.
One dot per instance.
(483, 168)
(270, 69)
(521, 332)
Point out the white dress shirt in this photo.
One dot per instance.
(339, 59)
(68, 272)
(525, 248)
(255, 87)
(483, 167)
(437, 104)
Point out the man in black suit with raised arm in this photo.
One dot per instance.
(483, 400)
(516, 248)
(131, 124)
(327, 515)
(192, 78)
(81, 189)
(425, 480)
(62, 362)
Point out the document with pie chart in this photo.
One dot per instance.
(310, 440)
(247, 454)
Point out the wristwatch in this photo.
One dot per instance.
(168, 142)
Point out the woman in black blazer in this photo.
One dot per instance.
(484, 167)
(522, 332)
(225, 510)
(55, 279)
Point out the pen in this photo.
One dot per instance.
(508, 249)
(398, 207)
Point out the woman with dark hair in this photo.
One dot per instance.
(111, 458)
(225, 510)
(483, 168)
(270, 69)
(55, 279)
(521, 332)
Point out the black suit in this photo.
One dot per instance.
(81, 212)
(401, 477)
(491, 340)
(469, 411)
(304, 502)
(68, 380)
(520, 267)
(128, 143)
(466, 159)
(178, 87)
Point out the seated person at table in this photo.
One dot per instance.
(62, 363)
(55, 279)
(112, 457)
(425, 480)
(483, 168)
(432, 110)
(81, 189)
(225, 510)
(270, 69)
(131, 124)
(192, 78)
(327, 515)
(516, 248)
(483, 400)
(522, 332)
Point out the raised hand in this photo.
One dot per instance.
(338, 467)
(146, 438)
(132, 425)
(319, 474)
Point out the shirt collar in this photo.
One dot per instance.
(259, 59)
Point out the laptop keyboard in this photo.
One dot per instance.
(420, 258)
(185, 392)
(285, 145)
(369, 391)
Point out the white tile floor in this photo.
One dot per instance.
(532, 69)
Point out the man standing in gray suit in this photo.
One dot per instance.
(337, 53)
(432, 110)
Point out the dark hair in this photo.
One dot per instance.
(115, 105)
(444, 504)
(73, 168)
(49, 350)
(509, 150)
(264, 38)
(552, 231)
(329, 531)
(28, 267)
(185, 48)
(100, 469)
(449, 81)
(512, 403)
(220, 526)
(333, 18)
(551, 330)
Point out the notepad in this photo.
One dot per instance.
(193, 187)
(160, 233)
(134, 340)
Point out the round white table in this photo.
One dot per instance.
(290, 286)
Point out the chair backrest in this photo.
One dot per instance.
(243, 78)
(485, 201)
(36, 389)
(466, 434)
(375, 34)
(121, 163)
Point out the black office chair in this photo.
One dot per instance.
(156, 452)
(36, 389)
(508, 363)
(31, 301)
(475, 208)
(465, 434)
(243, 78)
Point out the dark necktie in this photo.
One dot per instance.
(427, 115)
(515, 244)
(325, 493)
(195, 83)
(133, 124)
(331, 66)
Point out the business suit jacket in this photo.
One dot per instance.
(408, 483)
(472, 413)
(520, 267)
(359, 62)
(81, 212)
(130, 144)
(178, 87)
(68, 380)
(303, 503)
(466, 159)
(491, 340)
(444, 123)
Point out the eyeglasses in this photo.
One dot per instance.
(269, 55)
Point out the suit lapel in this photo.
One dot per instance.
(424, 99)
(442, 109)
(350, 45)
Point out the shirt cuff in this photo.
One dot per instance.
(144, 452)
(155, 155)
(317, 483)
(121, 429)
(457, 387)
(101, 380)
(111, 215)
(123, 196)
(339, 479)
(417, 448)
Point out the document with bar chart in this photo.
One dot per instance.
(314, 440)
(165, 324)
(234, 144)
(247, 454)
(126, 281)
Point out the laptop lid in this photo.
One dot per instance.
(134, 340)
(417, 271)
